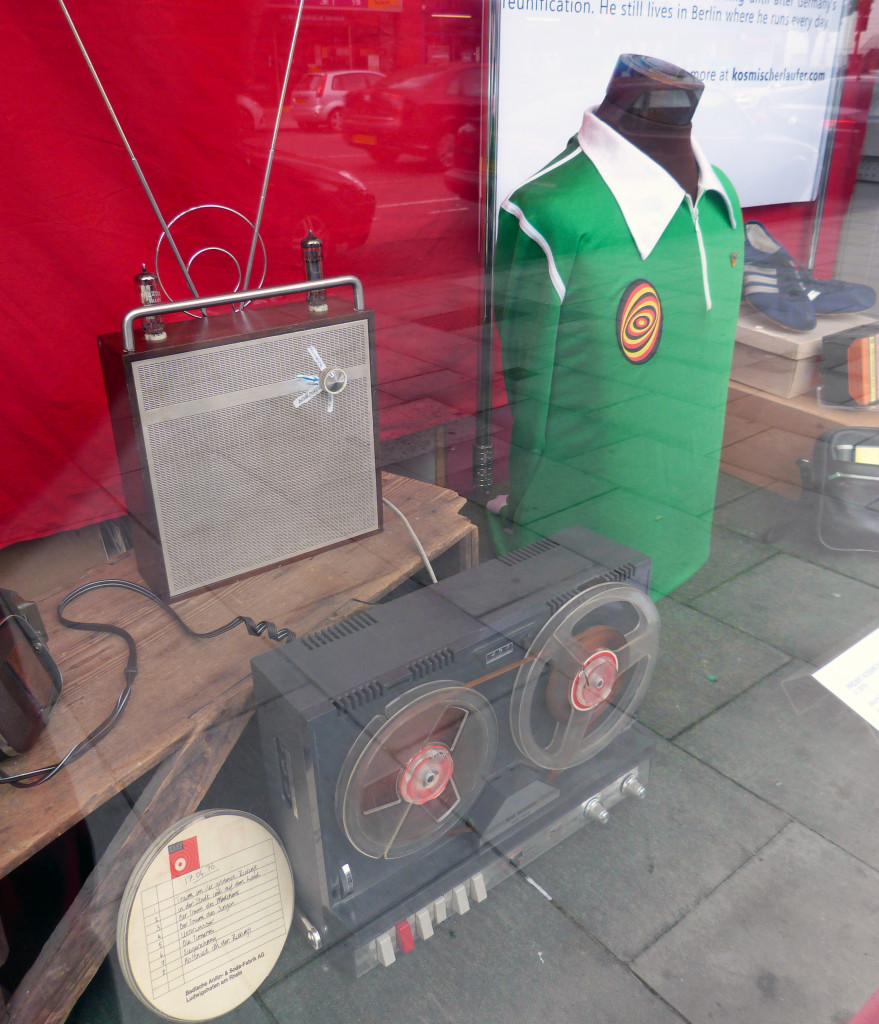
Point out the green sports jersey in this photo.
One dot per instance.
(616, 298)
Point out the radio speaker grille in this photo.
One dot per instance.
(237, 476)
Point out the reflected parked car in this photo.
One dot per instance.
(251, 115)
(463, 176)
(317, 99)
(306, 195)
(332, 203)
(416, 110)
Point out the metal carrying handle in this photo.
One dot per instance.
(231, 298)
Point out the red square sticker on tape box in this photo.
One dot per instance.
(183, 856)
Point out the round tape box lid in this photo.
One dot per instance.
(205, 915)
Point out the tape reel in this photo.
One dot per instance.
(416, 769)
(205, 915)
(584, 676)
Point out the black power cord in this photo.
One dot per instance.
(37, 776)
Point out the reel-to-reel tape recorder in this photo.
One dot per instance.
(422, 750)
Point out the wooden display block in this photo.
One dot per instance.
(766, 434)
(782, 362)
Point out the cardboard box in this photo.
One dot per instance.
(782, 362)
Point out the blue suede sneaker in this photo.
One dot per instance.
(835, 296)
(772, 283)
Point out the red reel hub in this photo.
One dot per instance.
(426, 775)
(595, 681)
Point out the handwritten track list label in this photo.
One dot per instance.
(201, 933)
(191, 923)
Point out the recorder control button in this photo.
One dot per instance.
(595, 809)
(477, 888)
(439, 910)
(460, 903)
(405, 939)
(423, 923)
(384, 948)
(632, 786)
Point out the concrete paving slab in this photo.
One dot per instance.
(804, 609)
(515, 958)
(396, 366)
(791, 937)
(702, 664)
(432, 383)
(793, 743)
(800, 537)
(754, 513)
(731, 555)
(631, 880)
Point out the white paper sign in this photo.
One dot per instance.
(768, 68)
(854, 678)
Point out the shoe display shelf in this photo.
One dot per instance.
(765, 434)
(780, 361)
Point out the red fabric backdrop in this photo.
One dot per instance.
(76, 224)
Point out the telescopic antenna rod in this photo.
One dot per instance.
(271, 157)
(137, 170)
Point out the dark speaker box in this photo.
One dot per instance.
(233, 458)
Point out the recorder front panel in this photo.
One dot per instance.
(450, 732)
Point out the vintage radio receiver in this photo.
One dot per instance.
(422, 750)
(246, 438)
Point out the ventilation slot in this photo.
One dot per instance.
(554, 603)
(618, 575)
(358, 697)
(431, 663)
(322, 637)
(523, 554)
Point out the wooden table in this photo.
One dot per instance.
(190, 704)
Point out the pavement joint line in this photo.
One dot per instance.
(707, 896)
(731, 700)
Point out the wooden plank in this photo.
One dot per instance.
(78, 946)
(4, 953)
(799, 415)
(181, 678)
(744, 474)
(469, 550)
(737, 428)
(772, 453)
(766, 434)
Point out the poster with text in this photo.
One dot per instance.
(768, 68)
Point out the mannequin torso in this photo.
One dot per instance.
(651, 104)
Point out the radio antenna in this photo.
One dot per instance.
(271, 156)
(165, 231)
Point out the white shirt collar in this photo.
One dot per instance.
(647, 195)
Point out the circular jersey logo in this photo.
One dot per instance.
(639, 322)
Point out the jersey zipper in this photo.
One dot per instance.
(694, 210)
